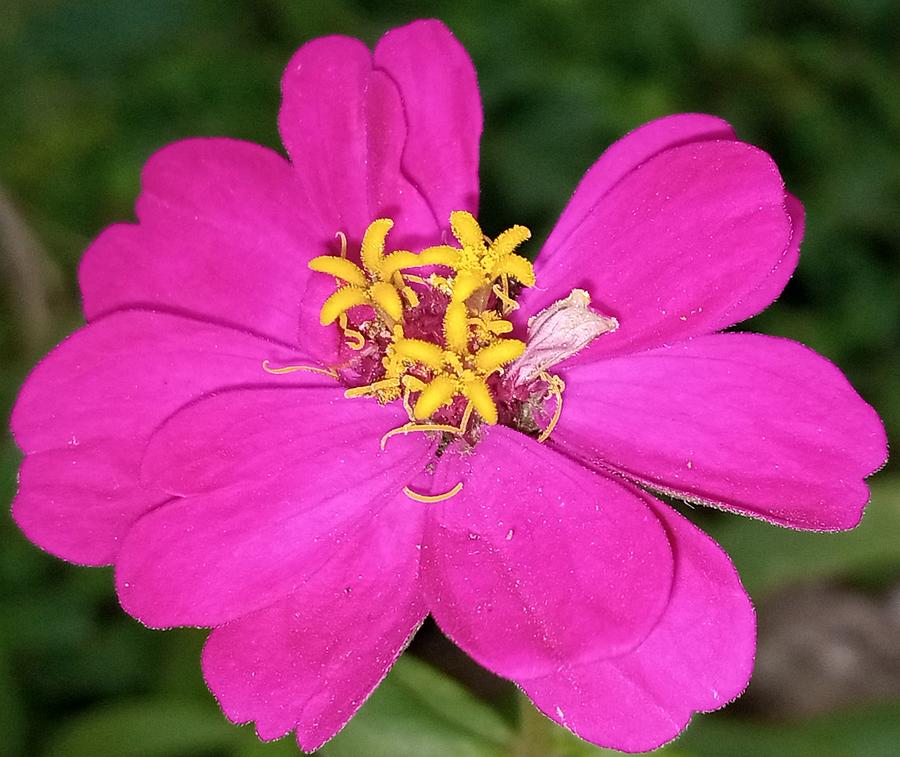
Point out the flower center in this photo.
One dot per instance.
(437, 338)
(430, 330)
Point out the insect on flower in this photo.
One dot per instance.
(315, 402)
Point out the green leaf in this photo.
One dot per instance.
(418, 712)
(286, 747)
(873, 732)
(12, 715)
(147, 729)
(768, 557)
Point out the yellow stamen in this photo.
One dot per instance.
(340, 301)
(508, 240)
(489, 326)
(516, 266)
(408, 292)
(343, 237)
(498, 354)
(502, 292)
(477, 392)
(431, 498)
(372, 249)
(557, 387)
(408, 428)
(442, 254)
(466, 229)
(467, 416)
(386, 297)
(437, 394)
(373, 388)
(340, 268)
(441, 283)
(421, 351)
(411, 297)
(413, 383)
(407, 406)
(456, 327)
(500, 327)
(267, 367)
(356, 340)
(465, 285)
(396, 262)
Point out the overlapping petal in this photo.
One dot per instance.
(343, 125)
(757, 424)
(539, 562)
(309, 661)
(775, 281)
(77, 502)
(272, 482)
(439, 88)
(85, 413)
(697, 658)
(673, 246)
(218, 218)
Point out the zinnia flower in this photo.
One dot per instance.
(314, 402)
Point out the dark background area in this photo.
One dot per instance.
(90, 88)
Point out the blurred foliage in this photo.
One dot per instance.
(91, 87)
(770, 558)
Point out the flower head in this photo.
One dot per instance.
(314, 402)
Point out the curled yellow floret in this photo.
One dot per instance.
(378, 283)
(458, 371)
(478, 262)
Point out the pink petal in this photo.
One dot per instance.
(77, 502)
(217, 217)
(636, 148)
(84, 414)
(439, 89)
(623, 156)
(276, 480)
(311, 659)
(774, 283)
(342, 123)
(674, 246)
(539, 562)
(756, 424)
(698, 658)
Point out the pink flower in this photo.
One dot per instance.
(259, 501)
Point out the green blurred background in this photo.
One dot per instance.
(90, 88)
